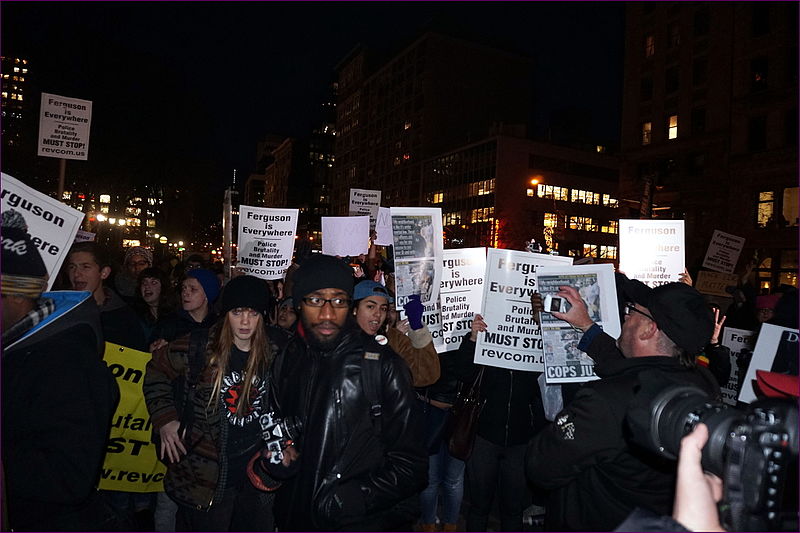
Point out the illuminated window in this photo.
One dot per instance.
(479, 188)
(766, 208)
(104, 209)
(437, 198)
(482, 214)
(16, 69)
(608, 252)
(609, 201)
(105, 198)
(551, 191)
(589, 250)
(136, 200)
(24, 71)
(550, 220)
(582, 223)
(19, 97)
(790, 208)
(66, 195)
(151, 201)
(649, 46)
(612, 227)
(585, 197)
(647, 133)
(672, 130)
(407, 125)
(134, 222)
(5, 76)
(133, 211)
(151, 223)
(530, 192)
(449, 219)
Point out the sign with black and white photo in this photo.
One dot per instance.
(776, 351)
(723, 252)
(51, 224)
(737, 340)
(365, 202)
(417, 240)
(64, 125)
(512, 339)
(652, 251)
(266, 241)
(563, 361)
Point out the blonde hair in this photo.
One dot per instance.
(219, 360)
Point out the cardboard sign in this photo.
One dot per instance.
(345, 236)
(652, 251)
(131, 463)
(51, 224)
(266, 240)
(512, 340)
(723, 252)
(64, 125)
(714, 283)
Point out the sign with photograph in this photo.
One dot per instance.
(652, 251)
(723, 252)
(418, 250)
(266, 241)
(64, 125)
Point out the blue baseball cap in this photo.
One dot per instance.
(369, 288)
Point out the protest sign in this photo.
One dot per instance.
(64, 125)
(131, 463)
(714, 283)
(84, 236)
(775, 351)
(563, 361)
(512, 340)
(383, 227)
(461, 296)
(652, 251)
(266, 240)
(736, 340)
(417, 240)
(365, 202)
(723, 252)
(345, 236)
(51, 224)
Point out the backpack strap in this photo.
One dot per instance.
(371, 385)
(198, 339)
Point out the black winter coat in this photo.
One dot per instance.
(346, 476)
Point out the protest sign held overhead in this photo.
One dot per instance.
(64, 125)
(345, 236)
(723, 252)
(383, 227)
(266, 240)
(652, 251)
(365, 202)
(84, 236)
(417, 240)
(51, 224)
(737, 340)
(775, 351)
(563, 362)
(715, 283)
(512, 339)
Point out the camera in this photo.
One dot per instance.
(555, 304)
(279, 433)
(754, 450)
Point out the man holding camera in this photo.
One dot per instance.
(596, 477)
(359, 459)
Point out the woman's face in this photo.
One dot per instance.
(151, 290)
(286, 316)
(371, 313)
(193, 297)
(244, 322)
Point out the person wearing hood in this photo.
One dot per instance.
(58, 396)
(198, 292)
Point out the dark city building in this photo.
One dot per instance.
(14, 71)
(436, 94)
(504, 190)
(710, 125)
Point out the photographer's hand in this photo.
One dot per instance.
(578, 315)
(697, 493)
(171, 441)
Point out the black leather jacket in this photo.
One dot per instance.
(346, 476)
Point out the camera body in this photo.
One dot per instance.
(751, 449)
(278, 433)
(555, 304)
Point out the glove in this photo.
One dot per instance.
(413, 309)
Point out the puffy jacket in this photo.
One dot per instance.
(418, 352)
(347, 476)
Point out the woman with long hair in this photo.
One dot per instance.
(207, 458)
(153, 299)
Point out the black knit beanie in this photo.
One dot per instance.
(246, 291)
(24, 272)
(321, 272)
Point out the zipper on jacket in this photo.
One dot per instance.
(508, 410)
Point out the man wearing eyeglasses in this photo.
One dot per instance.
(357, 465)
(594, 476)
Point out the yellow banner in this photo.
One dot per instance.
(131, 464)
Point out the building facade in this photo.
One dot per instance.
(14, 73)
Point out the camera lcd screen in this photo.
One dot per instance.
(555, 305)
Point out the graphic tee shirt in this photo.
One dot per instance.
(244, 431)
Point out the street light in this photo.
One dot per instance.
(101, 217)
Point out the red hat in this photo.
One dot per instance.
(775, 385)
(767, 301)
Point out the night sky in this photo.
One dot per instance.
(182, 91)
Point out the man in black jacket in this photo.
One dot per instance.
(584, 458)
(359, 465)
(58, 396)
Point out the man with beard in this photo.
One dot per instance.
(354, 464)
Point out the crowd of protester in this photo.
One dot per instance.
(358, 398)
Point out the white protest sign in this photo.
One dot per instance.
(776, 349)
(652, 251)
(84, 236)
(51, 224)
(64, 125)
(512, 340)
(563, 361)
(461, 296)
(266, 241)
(345, 235)
(723, 252)
(365, 202)
(417, 241)
(736, 340)
(383, 227)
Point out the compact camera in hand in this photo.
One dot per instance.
(279, 433)
(555, 304)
